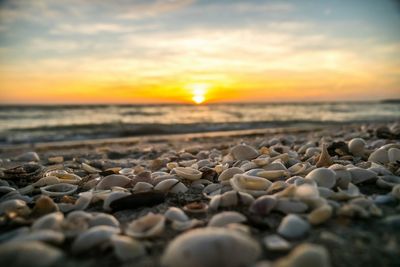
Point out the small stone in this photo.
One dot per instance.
(276, 243)
(28, 156)
(293, 227)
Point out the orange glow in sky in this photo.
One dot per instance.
(188, 51)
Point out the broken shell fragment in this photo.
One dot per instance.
(171, 186)
(113, 180)
(228, 174)
(227, 217)
(231, 199)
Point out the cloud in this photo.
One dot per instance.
(89, 29)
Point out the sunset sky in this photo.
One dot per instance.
(121, 51)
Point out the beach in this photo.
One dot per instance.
(145, 200)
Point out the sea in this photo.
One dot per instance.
(20, 124)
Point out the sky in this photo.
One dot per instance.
(185, 51)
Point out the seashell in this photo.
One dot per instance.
(126, 171)
(25, 171)
(176, 214)
(275, 166)
(360, 175)
(144, 176)
(323, 177)
(89, 169)
(142, 187)
(231, 199)
(351, 192)
(146, 199)
(352, 210)
(244, 152)
(293, 226)
(357, 146)
(172, 165)
(113, 180)
(112, 197)
(93, 237)
(379, 156)
(172, 186)
(29, 253)
(276, 187)
(396, 191)
(306, 191)
(50, 221)
(324, 158)
(388, 181)
(305, 255)
(252, 185)
(127, 249)
(150, 225)
(188, 173)
(28, 157)
(273, 175)
(298, 168)
(312, 151)
(287, 205)
(44, 205)
(56, 159)
(228, 174)
(224, 218)
(103, 219)
(185, 225)
(263, 205)
(196, 207)
(14, 206)
(46, 236)
(59, 190)
(320, 215)
(276, 243)
(212, 190)
(197, 248)
(343, 176)
(394, 155)
(82, 203)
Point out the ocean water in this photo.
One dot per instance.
(27, 124)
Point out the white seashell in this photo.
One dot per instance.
(172, 186)
(323, 177)
(312, 151)
(197, 248)
(263, 205)
(185, 225)
(360, 175)
(59, 190)
(275, 166)
(305, 255)
(244, 152)
(113, 180)
(141, 187)
(47, 236)
(320, 215)
(379, 156)
(305, 191)
(176, 214)
(93, 237)
(228, 174)
(394, 155)
(277, 187)
(224, 218)
(127, 249)
(276, 243)
(298, 168)
(293, 227)
(50, 221)
(188, 173)
(14, 205)
(343, 176)
(103, 219)
(231, 199)
(252, 185)
(112, 197)
(357, 146)
(150, 225)
(287, 205)
(29, 253)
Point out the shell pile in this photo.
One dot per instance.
(233, 204)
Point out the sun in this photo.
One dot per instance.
(198, 91)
